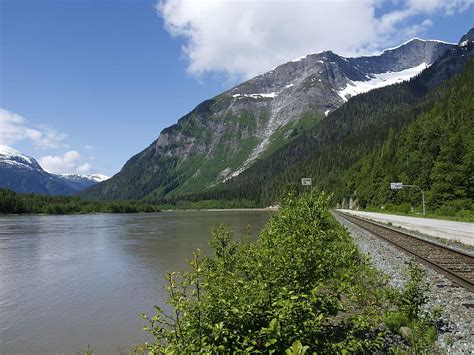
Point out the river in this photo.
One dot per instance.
(70, 281)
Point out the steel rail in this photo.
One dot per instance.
(459, 268)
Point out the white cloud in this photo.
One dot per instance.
(64, 164)
(70, 162)
(244, 38)
(84, 168)
(14, 128)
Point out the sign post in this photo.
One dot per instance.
(399, 186)
(307, 182)
(396, 185)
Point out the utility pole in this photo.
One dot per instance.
(400, 185)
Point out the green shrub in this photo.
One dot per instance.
(302, 286)
(414, 295)
(395, 320)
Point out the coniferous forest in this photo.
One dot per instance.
(408, 133)
(18, 203)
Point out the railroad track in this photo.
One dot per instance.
(456, 265)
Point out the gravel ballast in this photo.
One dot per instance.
(456, 327)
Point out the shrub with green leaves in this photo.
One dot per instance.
(411, 314)
(302, 286)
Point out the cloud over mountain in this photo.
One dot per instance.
(243, 38)
(15, 128)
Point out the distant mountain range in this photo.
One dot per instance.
(22, 173)
(225, 135)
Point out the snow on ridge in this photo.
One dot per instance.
(94, 177)
(463, 43)
(9, 153)
(270, 95)
(257, 96)
(416, 38)
(307, 55)
(379, 80)
(299, 58)
(16, 164)
(99, 177)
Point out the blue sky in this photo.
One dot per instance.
(102, 78)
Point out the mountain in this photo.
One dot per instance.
(81, 182)
(22, 173)
(467, 38)
(224, 136)
(435, 152)
(346, 151)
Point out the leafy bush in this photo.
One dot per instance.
(302, 286)
(414, 294)
(395, 320)
(411, 314)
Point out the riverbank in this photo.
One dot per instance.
(301, 286)
(270, 209)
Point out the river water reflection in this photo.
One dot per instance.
(70, 281)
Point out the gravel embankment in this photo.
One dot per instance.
(457, 324)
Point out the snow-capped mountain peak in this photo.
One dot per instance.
(9, 153)
(92, 177)
(22, 173)
(416, 39)
(98, 177)
(13, 157)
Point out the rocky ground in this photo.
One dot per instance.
(456, 327)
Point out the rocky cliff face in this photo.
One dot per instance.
(223, 136)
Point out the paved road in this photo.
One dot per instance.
(460, 231)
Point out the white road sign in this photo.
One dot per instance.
(396, 185)
(306, 181)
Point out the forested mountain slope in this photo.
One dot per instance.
(224, 136)
(436, 152)
(357, 131)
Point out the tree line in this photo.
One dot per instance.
(408, 132)
(21, 203)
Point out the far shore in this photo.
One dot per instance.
(271, 209)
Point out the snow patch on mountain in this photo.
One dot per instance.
(22, 173)
(414, 39)
(98, 177)
(379, 80)
(258, 96)
(94, 177)
(8, 153)
(304, 56)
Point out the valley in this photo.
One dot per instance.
(230, 231)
